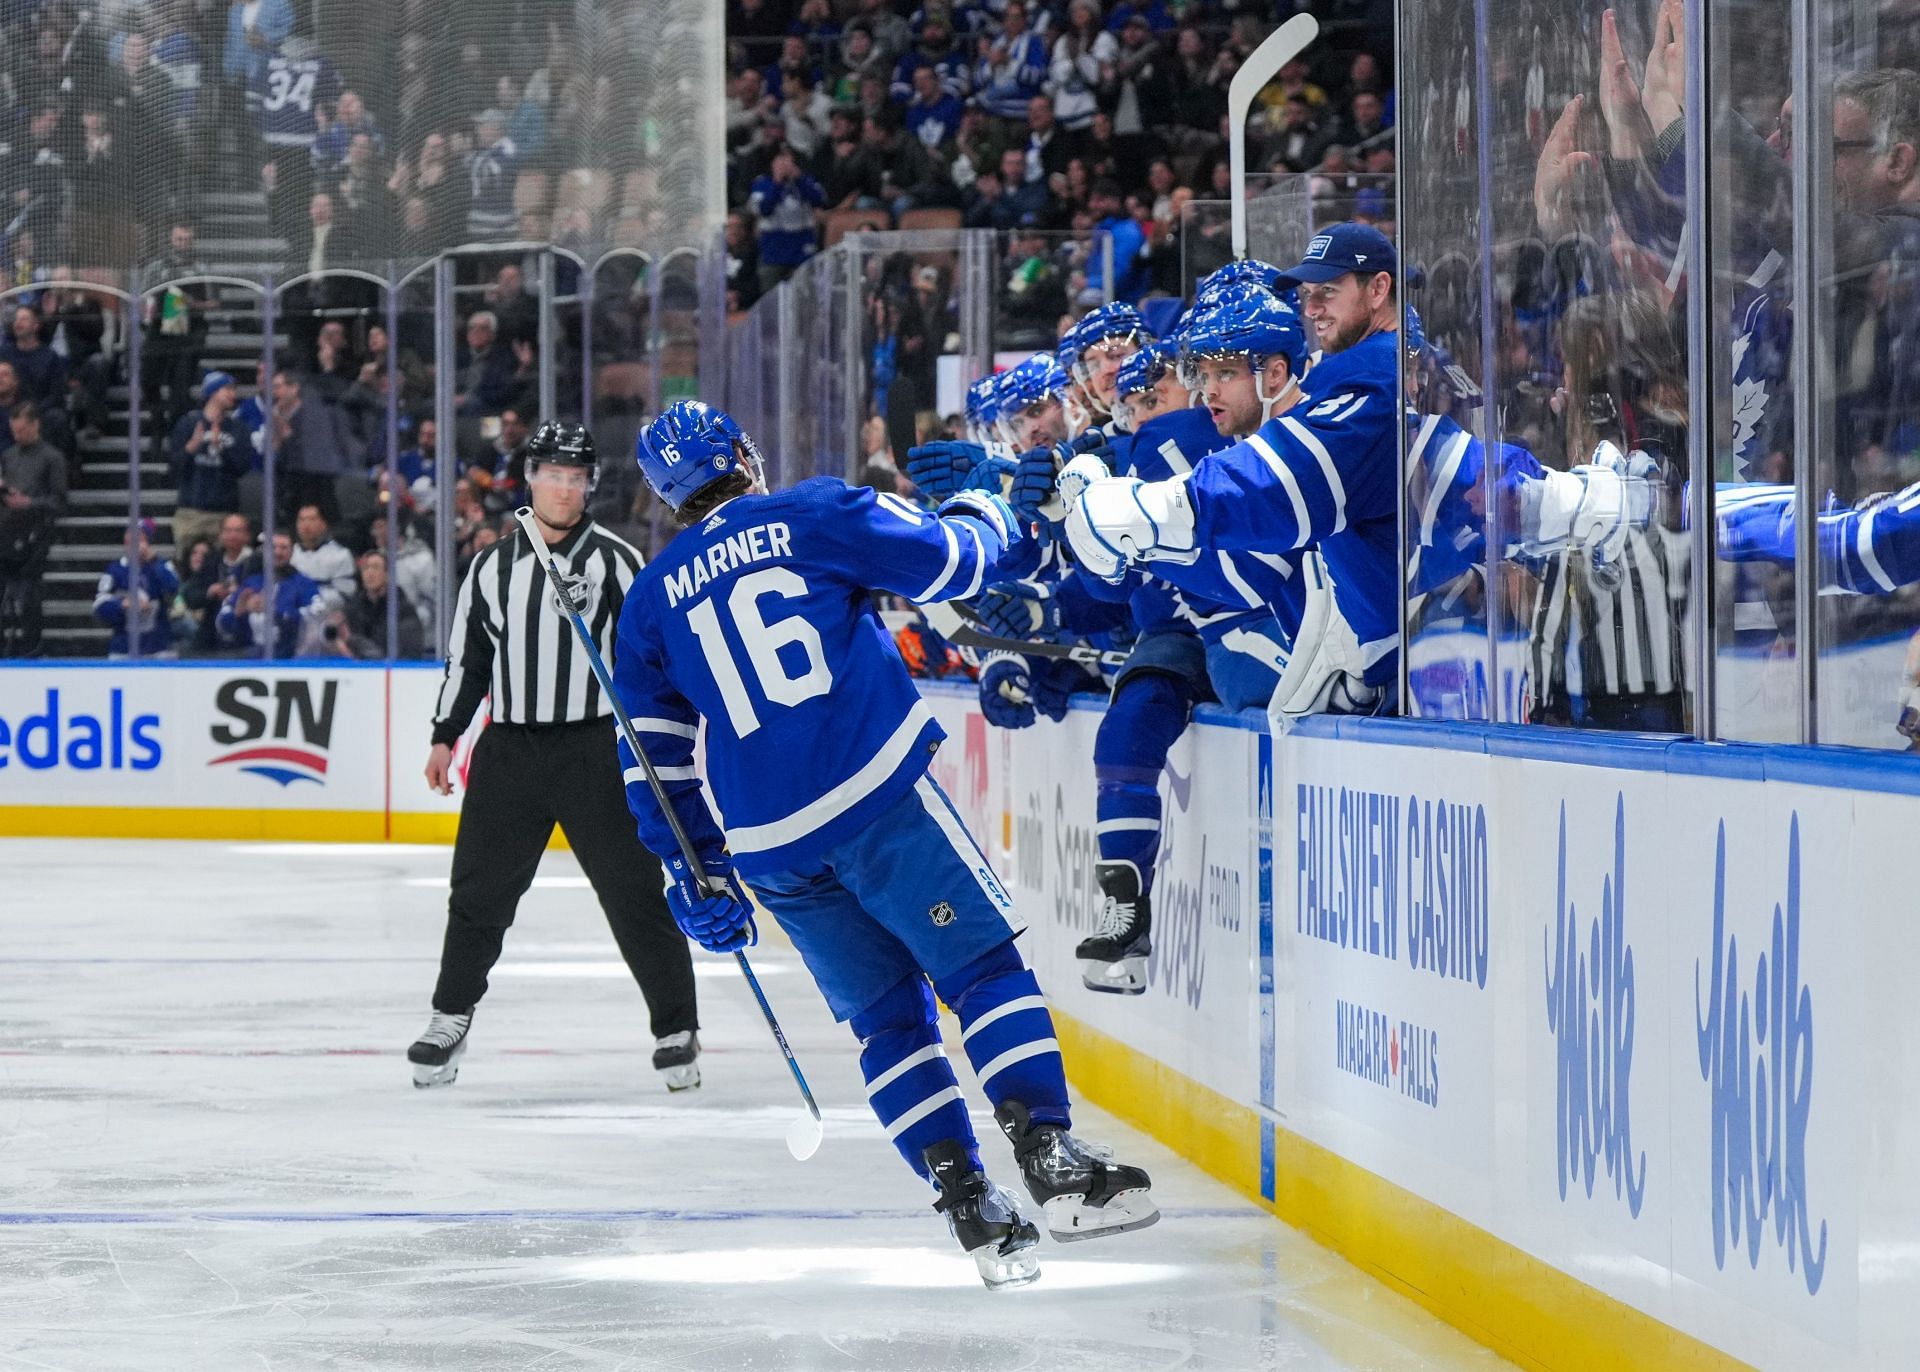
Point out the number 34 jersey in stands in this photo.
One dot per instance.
(758, 620)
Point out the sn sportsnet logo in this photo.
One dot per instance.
(261, 721)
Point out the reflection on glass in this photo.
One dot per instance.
(1756, 673)
(1549, 576)
(1450, 672)
(1867, 471)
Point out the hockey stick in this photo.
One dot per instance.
(957, 624)
(806, 1131)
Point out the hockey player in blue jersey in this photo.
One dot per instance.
(1093, 350)
(757, 619)
(1176, 663)
(1322, 475)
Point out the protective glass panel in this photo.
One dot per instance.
(1867, 308)
(1206, 241)
(1756, 671)
(1042, 277)
(1450, 661)
(1563, 463)
(620, 367)
(422, 486)
(202, 474)
(69, 506)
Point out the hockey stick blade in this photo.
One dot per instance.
(804, 1136)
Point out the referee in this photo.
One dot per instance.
(547, 756)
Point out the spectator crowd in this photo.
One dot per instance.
(1019, 115)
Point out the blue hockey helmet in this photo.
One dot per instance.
(1145, 369)
(1028, 383)
(1118, 320)
(1247, 271)
(983, 401)
(1244, 321)
(689, 446)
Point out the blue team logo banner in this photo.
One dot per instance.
(1590, 1013)
(1756, 1058)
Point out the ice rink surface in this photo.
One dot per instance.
(211, 1157)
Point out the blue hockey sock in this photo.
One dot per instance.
(1147, 716)
(910, 1083)
(1008, 1033)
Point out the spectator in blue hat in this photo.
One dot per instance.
(209, 452)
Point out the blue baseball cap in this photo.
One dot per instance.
(1341, 249)
(215, 381)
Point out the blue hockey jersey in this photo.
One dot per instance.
(1872, 548)
(1325, 475)
(759, 621)
(1222, 591)
(283, 95)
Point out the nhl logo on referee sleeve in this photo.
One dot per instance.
(941, 914)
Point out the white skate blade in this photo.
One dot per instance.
(682, 1078)
(804, 1135)
(1006, 1271)
(1070, 1219)
(1127, 977)
(445, 1074)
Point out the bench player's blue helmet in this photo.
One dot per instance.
(1118, 320)
(1146, 368)
(689, 446)
(1243, 321)
(1247, 271)
(983, 405)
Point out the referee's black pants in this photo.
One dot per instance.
(524, 780)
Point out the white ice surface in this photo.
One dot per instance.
(211, 1157)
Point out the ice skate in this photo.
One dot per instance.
(985, 1220)
(1085, 1194)
(676, 1059)
(435, 1055)
(1114, 958)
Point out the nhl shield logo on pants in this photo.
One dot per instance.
(941, 914)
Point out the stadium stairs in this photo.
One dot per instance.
(235, 240)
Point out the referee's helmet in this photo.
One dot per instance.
(564, 445)
(689, 446)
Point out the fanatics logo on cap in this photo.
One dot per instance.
(941, 914)
(1317, 249)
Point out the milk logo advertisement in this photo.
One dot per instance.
(1591, 1007)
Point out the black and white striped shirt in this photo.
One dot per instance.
(1625, 641)
(508, 637)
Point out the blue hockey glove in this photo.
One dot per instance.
(989, 509)
(1006, 691)
(1019, 609)
(1053, 683)
(1095, 443)
(718, 923)
(940, 469)
(992, 474)
(1033, 480)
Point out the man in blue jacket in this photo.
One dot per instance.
(137, 602)
(299, 608)
(210, 452)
